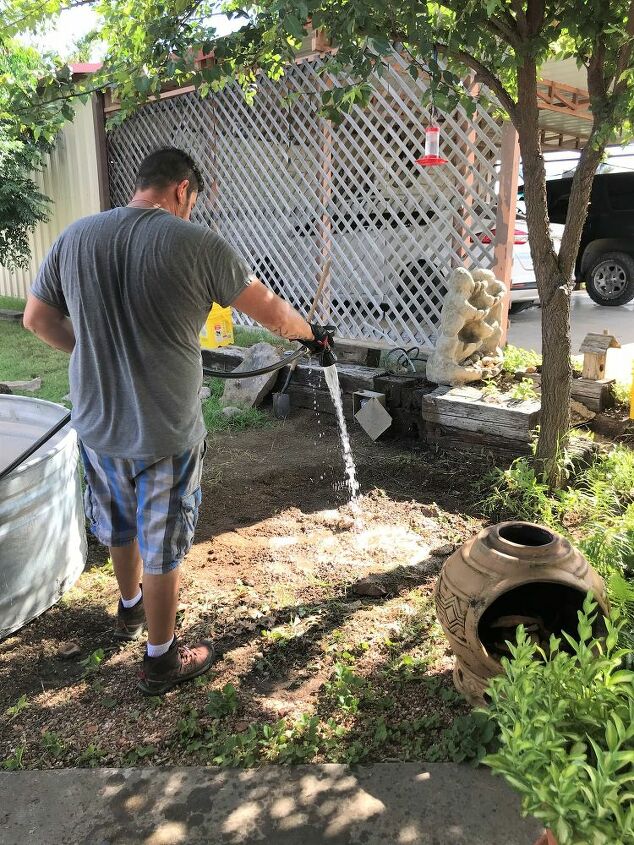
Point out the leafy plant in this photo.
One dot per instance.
(53, 744)
(519, 493)
(467, 739)
(566, 733)
(345, 687)
(138, 754)
(15, 709)
(93, 661)
(91, 756)
(523, 390)
(515, 358)
(223, 702)
(15, 761)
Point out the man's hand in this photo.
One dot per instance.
(323, 338)
(49, 324)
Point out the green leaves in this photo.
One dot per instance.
(566, 726)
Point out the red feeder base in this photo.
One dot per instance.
(431, 161)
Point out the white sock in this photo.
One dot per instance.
(158, 650)
(127, 603)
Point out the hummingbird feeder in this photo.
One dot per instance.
(432, 156)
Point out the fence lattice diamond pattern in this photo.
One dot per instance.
(291, 191)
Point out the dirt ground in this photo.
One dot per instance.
(273, 579)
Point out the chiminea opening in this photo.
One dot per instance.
(525, 534)
(543, 607)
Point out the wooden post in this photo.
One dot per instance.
(506, 214)
(101, 147)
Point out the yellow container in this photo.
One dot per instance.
(218, 330)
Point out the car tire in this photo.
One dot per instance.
(610, 279)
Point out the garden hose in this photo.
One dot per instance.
(288, 359)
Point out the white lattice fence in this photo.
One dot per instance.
(291, 191)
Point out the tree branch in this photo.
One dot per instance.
(484, 76)
(503, 29)
(625, 54)
(520, 17)
(534, 17)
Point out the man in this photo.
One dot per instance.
(126, 293)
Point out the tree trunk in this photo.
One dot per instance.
(552, 285)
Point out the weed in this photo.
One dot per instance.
(345, 687)
(490, 389)
(523, 390)
(469, 738)
(622, 391)
(223, 702)
(20, 705)
(517, 492)
(53, 744)
(91, 756)
(138, 754)
(189, 726)
(93, 661)
(516, 359)
(15, 761)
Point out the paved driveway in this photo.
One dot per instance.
(525, 329)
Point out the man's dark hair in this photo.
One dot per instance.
(168, 166)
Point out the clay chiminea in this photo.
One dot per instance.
(509, 574)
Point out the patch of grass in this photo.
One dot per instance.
(215, 419)
(12, 303)
(246, 336)
(23, 357)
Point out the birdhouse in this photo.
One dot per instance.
(595, 351)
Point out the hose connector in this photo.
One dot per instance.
(327, 357)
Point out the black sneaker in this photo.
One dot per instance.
(130, 621)
(180, 663)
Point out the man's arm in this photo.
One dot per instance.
(272, 312)
(49, 324)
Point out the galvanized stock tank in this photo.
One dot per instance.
(42, 528)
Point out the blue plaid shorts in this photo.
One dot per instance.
(155, 501)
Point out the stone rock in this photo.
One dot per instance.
(204, 393)
(367, 587)
(5, 390)
(230, 412)
(30, 386)
(68, 650)
(250, 392)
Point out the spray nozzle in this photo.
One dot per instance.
(327, 357)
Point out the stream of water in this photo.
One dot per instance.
(332, 380)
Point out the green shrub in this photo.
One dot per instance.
(566, 725)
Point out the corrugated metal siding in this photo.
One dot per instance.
(70, 179)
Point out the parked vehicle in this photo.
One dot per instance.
(605, 262)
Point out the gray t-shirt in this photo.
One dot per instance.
(138, 285)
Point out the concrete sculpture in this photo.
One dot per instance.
(468, 344)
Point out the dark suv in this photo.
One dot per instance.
(606, 256)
